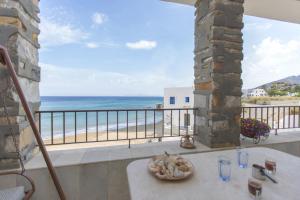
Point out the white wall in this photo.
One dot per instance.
(179, 93)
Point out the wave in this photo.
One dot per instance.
(93, 129)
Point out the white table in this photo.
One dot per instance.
(205, 183)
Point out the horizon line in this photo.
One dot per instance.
(100, 96)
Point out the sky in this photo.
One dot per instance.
(137, 48)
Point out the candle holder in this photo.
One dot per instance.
(187, 142)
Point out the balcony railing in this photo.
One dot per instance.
(84, 126)
(277, 117)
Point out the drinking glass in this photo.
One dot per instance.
(224, 165)
(242, 157)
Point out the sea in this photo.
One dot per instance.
(56, 126)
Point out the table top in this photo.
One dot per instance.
(205, 183)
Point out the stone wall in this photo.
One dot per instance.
(218, 56)
(18, 33)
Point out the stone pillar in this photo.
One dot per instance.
(217, 70)
(19, 32)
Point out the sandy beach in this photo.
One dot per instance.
(137, 135)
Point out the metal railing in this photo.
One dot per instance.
(85, 126)
(277, 117)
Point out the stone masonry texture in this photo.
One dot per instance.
(217, 71)
(19, 34)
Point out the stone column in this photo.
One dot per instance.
(19, 32)
(217, 70)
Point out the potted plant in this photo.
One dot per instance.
(255, 129)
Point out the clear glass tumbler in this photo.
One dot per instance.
(242, 157)
(224, 165)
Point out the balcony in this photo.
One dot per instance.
(101, 171)
(91, 168)
(91, 149)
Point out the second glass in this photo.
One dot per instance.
(224, 165)
(242, 157)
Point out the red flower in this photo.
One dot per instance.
(253, 127)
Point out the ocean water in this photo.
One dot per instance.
(95, 103)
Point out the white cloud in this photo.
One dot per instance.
(142, 44)
(92, 45)
(99, 18)
(271, 60)
(67, 81)
(55, 33)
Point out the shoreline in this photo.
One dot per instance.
(135, 134)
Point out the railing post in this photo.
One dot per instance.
(145, 123)
(154, 122)
(97, 126)
(52, 135)
(179, 122)
(86, 126)
(75, 126)
(117, 125)
(127, 124)
(40, 123)
(194, 127)
(107, 125)
(64, 128)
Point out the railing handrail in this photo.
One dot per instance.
(155, 109)
(271, 106)
(115, 110)
(12, 74)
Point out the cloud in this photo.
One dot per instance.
(142, 44)
(55, 33)
(68, 81)
(99, 18)
(272, 59)
(92, 45)
(108, 44)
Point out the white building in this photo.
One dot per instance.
(179, 97)
(292, 94)
(257, 93)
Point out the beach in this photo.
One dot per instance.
(86, 124)
(135, 135)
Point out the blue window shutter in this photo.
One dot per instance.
(187, 99)
(172, 100)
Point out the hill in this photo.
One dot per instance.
(291, 80)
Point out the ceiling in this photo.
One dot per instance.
(283, 10)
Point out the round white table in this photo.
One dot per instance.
(205, 183)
